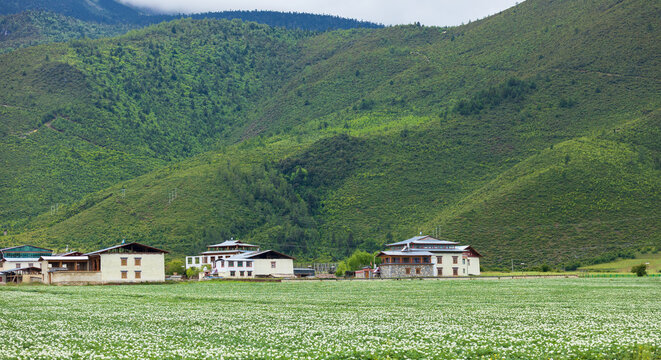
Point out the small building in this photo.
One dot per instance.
(20, 275)
(366, 273)
(223, 250)
(124, 263)
(23, 256)
(255, 264)
(304, 272)
(425, 256)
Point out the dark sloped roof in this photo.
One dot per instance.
(260, 255)
(141, 247)
(19, 246)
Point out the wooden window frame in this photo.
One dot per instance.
(124, 261)
(273, 264)
(407, 271)
(418, 271)
(137, 261)
(138, 274)
(125, 274)
(439, 259)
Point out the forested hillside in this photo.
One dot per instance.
(532, 135)
(37, 27)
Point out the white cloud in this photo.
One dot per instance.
(389, 12)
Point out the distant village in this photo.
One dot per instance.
(418, 257)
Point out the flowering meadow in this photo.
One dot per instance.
(478, 319)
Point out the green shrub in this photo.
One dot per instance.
(640, 270)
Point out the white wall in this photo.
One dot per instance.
(474, 267)
(152, 267)
(447, 265)
(283, 267)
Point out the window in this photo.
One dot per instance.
(248, 263)
(239, 263)
(241, 273)
(204, 260)
(464, 270)
(463, 261)
(440, 271)
(249, 273)
(125, 274)
(18, 265)
(439, 259)
(455, 259)
(213, 259)
(197, 260)
(455, 271)
(31, 264)
(425, 260)
(138, 261)
(272, 264)
(138, 274)
(230, 263)
(124, 261)
(189, 260)
(408, 271)
(232, 273)
(417, 260)
(469, 262)
(417, 271)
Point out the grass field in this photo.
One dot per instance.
(624, 265)
(478, 319)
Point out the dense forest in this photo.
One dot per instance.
(524, 134)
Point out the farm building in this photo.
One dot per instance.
(223, 250)
(267, 263)
(425, 256)
(20, 275)
(366, 273)
(236, 259)
(124, 263)
(23, 256)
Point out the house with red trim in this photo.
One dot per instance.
(425, 256)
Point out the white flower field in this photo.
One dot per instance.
(506, 319)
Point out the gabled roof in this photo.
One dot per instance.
(20, 259)
(470, 248)
(20, 269)
(232, 243)
(423, 239)
(259, 255)
(19, 246)
(70, 253)
(65, 258)
(133, 245)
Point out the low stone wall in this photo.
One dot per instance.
(75, 277)
(399, 271)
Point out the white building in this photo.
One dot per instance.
(236, 259)
(267, 263)
(124, 263)
(223, 250)
(425, 256)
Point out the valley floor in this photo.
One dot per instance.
(508, 319)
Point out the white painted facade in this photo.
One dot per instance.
(140, 267)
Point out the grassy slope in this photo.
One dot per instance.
(625, 265)
(499, 179)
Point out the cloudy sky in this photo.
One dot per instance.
(389, 12)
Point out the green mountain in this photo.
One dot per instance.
(36, 27)
(532, 135)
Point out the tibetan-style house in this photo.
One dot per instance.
(24, 256)
(425, 256)
(124, 263)
(236, 259)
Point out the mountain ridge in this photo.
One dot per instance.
(511, 142)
